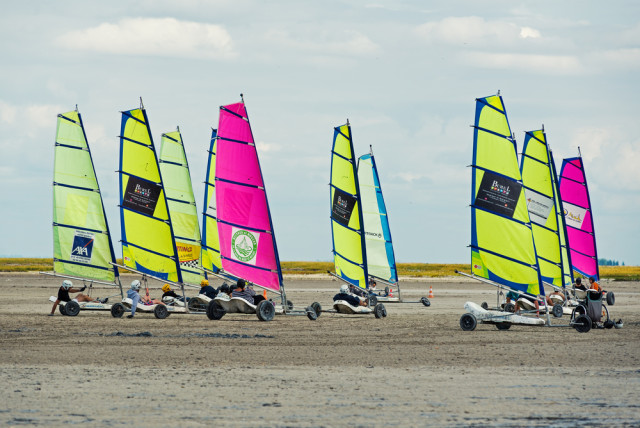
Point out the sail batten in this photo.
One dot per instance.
(502, 247)
(82, 245)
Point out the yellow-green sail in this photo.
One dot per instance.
(147, 237)
(210, 240)
(346, 216)
(540, 190)
(502, 248)
(182, 205)
(81, 241)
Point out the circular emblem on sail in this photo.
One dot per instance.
(244, 246)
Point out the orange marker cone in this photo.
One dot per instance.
(264, 294)
(431, 292)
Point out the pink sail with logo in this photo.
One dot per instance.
(247, 242)
(578, 217)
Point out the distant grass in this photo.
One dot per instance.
(620, 273)
(431, 270)
(404, 269)
(25, 264)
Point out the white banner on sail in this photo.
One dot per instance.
(539, 207)
(573, 215)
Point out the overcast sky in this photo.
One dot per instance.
(405, 73)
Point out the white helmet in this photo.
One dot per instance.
(344, 288)
(66, 284)
(135, 284)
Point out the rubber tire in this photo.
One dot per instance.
(372, 301)
(317, 307)
(265, 310)
(72, 308)
(289, 305)
(215, 312)
(510, 307)
(194, 305)
(425, 301)
(605, 314)
(558, 310)
(611, 298)
(161, 312)
(582, 324)
(62, 310)
(117, 310)
(484, 306)
(311, 313)
(503, 325)
(379, 310)
(468, 322)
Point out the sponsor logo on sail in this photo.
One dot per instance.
(82, 247)
(244, 245)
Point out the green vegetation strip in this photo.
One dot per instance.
(418, 270)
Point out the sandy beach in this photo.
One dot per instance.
(414, 368)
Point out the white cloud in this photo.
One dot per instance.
(539, 64)
(153, 37)
(528, 32)
(263, 147)
(612, 161)
(7, 113)
(617, 59)
(344, 43)
(474, 30)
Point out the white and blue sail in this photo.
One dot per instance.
(381, 261)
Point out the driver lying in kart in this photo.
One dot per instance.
(246, 292)
(135, 297)
(63, 295)
(349, 298)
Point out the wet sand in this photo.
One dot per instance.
(414, 368)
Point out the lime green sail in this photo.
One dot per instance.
(541, 190)
(350, 259)
(81, 241)
(148, 243)
(210, 240)
(502, 247)
(182, 206)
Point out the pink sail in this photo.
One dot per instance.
(247, 243)
(578, 217)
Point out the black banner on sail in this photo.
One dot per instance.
(342, 208)
(499, 194)
(141, 195)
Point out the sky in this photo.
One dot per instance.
(405, 74)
